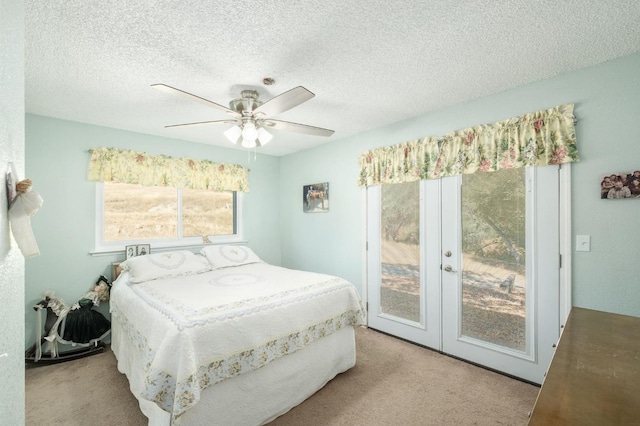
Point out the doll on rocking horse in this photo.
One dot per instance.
(77, 325)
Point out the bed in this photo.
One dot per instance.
(222, 338)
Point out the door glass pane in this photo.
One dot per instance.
(493, 246)
(400, 250)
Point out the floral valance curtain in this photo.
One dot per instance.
(125, 166)
(539, 138)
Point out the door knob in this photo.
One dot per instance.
(448, 268)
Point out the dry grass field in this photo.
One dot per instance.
(134, 212)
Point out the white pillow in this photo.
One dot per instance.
(164, 265)
(225, 256)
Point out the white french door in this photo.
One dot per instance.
(469, 265)
(403, 235)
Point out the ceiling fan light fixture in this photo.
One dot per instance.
(249, 143)
(263, 136)
(233, 134)
(249, 131)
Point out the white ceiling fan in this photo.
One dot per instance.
(251, 116)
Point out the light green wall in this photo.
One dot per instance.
(607, 105)
(57, 162)
(11, 260)
(606, 278)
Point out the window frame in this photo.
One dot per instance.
(106, 247)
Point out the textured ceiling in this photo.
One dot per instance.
(369, 62)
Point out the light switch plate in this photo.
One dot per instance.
(583, 243)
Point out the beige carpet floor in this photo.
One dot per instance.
(393, 383)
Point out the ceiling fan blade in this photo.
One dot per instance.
(193, 97)
(284, 101)
(203, 123)
(297, 127)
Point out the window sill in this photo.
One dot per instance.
(110, 251)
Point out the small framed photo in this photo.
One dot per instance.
(136, 250)
(620, 185)
(143, 249)
(315, 198)
(130, 251)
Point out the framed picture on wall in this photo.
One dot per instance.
(620, 185)
(315, 198)
(130, 251)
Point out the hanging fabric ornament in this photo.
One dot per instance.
(24, 205)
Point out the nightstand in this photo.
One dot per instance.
(115, 270)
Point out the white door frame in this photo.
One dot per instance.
(565, 250)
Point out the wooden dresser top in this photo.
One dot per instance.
(594, 377)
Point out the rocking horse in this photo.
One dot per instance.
(77, 325)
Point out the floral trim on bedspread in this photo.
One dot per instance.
(139, 341)
(177, 398)
(161, 386)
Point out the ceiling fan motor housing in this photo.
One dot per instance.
(247, 102)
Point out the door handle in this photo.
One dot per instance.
(449, 268)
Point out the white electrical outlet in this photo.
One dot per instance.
(583, 243)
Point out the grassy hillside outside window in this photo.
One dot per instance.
(165, 201)
(164, 216)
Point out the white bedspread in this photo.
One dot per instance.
(199, 330)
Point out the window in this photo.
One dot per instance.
(164, 216)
